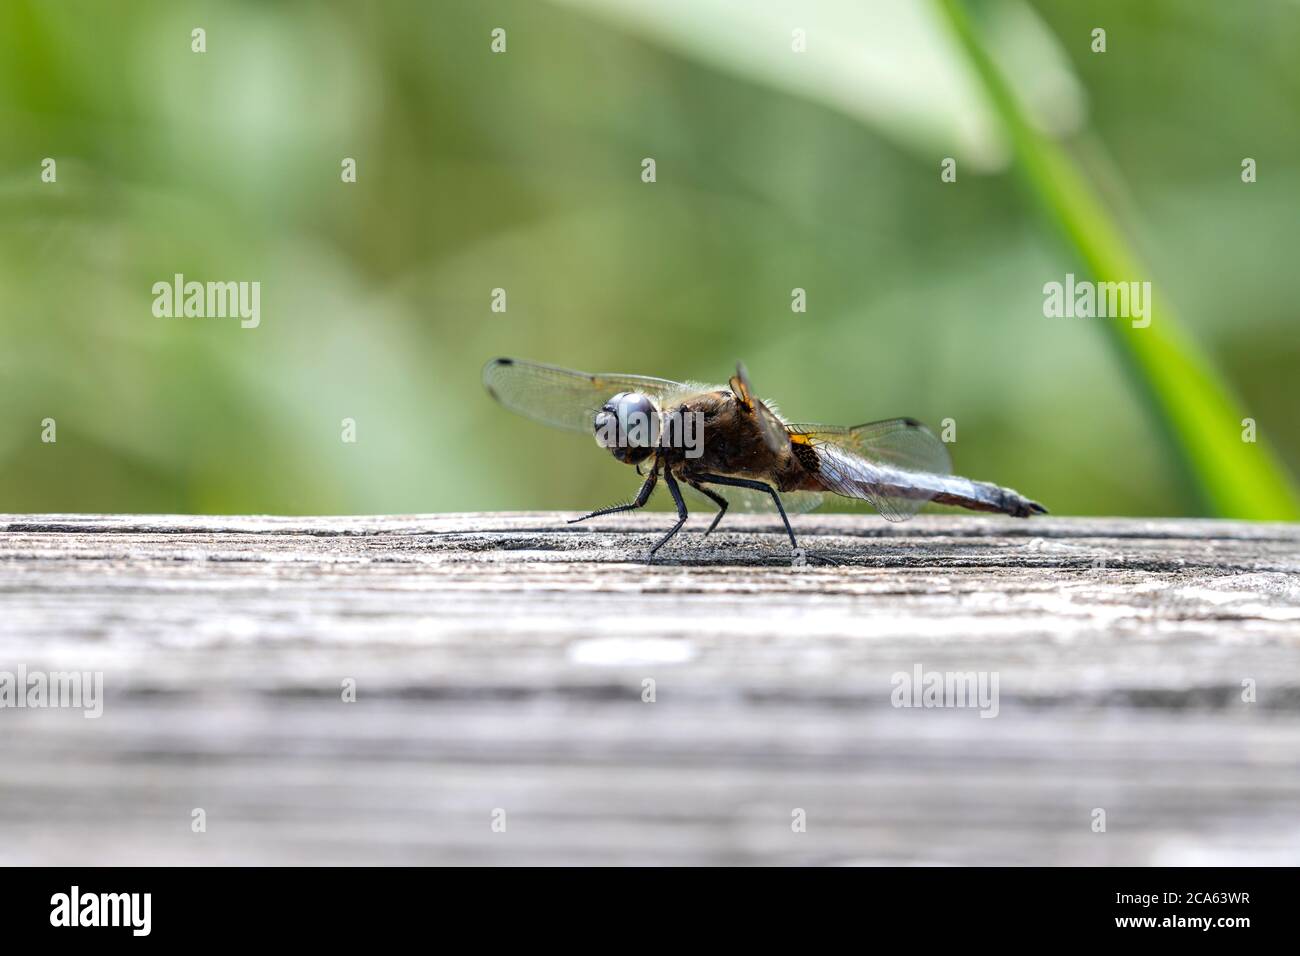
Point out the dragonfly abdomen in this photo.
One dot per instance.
(963, 493)
(898, 492)
(984, 496)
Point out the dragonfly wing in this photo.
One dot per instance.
(748, 501)
(772, 428)
(562, 397)
(896, 465)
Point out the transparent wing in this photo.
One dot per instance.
(896, 466)
(753, 502)
(562, 397)
(771, 427)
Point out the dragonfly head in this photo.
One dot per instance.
(628, 425)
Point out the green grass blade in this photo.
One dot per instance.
(1200, 419)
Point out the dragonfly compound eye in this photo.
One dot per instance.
(628, 425)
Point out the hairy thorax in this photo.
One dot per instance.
(733, 445)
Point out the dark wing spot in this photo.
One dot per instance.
(807, 456)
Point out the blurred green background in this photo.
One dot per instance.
(522, 170)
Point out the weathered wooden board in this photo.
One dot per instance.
(499, 662)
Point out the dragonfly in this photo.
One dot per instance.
(715, 438)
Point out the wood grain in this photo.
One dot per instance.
(499, 662)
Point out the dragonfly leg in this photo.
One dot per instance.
(642, 497)
(717, 499)
(756, 486)
(681, 511)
